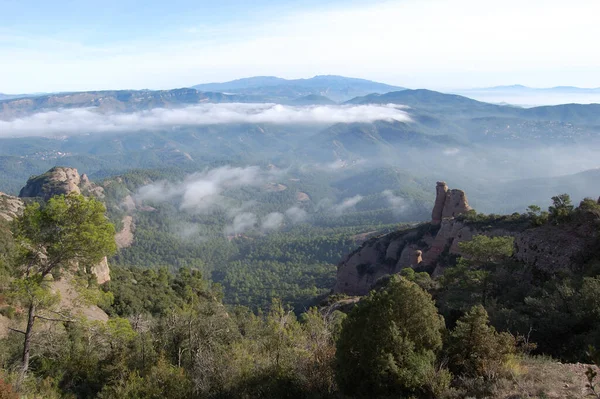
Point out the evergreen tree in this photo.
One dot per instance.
(389, 341)
(68, 230)
(476, 349)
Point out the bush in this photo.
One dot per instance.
(388, 343)
(476, 349)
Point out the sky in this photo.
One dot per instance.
(75, 45)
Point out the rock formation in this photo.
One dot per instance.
(10, 207)
(57, 181)
(429, 246)
(448, 203)
(440, 199)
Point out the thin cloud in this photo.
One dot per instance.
(201, 192)
(88, 120)
(296, 214)
(273, 221)
(242, 222)
(347, 204)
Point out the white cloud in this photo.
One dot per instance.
(87, 120)
(398, 204)
(296, 214)
(242, 222)
(200, 192)
(346, 204)
(272, 221)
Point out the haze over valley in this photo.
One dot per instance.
(299, 199)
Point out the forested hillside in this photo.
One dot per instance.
(487, 325)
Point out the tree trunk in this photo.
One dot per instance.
(27, 342)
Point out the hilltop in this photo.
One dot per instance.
(337, 88)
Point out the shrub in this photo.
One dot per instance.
(476, 349)
(388, 343)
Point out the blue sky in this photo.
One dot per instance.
(65, 45)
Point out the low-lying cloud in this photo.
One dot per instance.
(90, 120)
(296, 214)
(242, 222)
(273, 221)
(398, 204)
(347, 204)
(201, 192)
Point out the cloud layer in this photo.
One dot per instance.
(200, 192)
(88, 120)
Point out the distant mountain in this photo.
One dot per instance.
(429, 100)
(115, 100)
(4, 96)
(517, 88)
(337, 88)
(312, 99)
(358, 140)
(531, 96)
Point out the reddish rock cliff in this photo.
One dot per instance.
(430, 246)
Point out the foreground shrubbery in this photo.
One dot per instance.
(170, 336)
(390, 344)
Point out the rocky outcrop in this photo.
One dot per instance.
(57, 181)
(440, 199)
(448, 203)
(10, 207)
(124, 238)
(101, 271)
(430, 247)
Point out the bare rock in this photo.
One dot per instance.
(440, 200)
(124, 238)
(416, 258)
(10, 207)
(456, 204)
(71, 300)
(302, 197)
(547, 248)
(58, 181)
(101, 271)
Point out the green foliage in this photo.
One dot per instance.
(389, 341)
(469, 282)
(157, 292)
(483, 249)
(162, 381)
(561, 209)
(537, 216)
(476, 349)
(67, 229)
(483, 222)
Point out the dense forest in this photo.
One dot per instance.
(294, 262)
(478, 330)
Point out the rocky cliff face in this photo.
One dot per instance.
(10, 207)
(429, 247)
(57, 181)
(448, 203)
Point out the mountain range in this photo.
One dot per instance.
(489, 149)
(337, 88)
